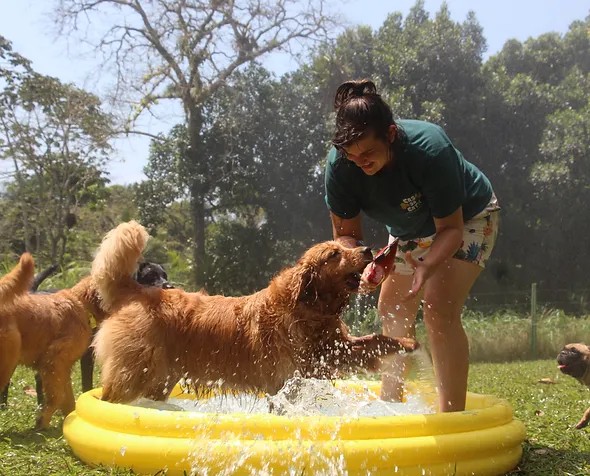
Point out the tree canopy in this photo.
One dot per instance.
(235, 190)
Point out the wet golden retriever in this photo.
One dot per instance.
(154, 337)
(47, 332)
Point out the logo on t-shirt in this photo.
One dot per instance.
(413, 202)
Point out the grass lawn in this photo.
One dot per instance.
(549, 410)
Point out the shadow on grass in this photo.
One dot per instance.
(30, 438)
(544, 460)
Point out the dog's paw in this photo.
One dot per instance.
(408, 344)
(583, 423)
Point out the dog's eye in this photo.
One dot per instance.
(334, 254)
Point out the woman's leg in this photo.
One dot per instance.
(398, 319)
(444, 296)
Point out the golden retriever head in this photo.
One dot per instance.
(327, 274)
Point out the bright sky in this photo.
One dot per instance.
(26, 24)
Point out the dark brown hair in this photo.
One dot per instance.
(360, 109)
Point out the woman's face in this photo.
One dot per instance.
(370, 153)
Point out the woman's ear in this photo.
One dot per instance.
(392, 133)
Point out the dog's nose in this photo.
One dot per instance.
(368, 253)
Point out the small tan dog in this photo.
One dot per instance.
(154, 337)
(574, 360)
(47, 332)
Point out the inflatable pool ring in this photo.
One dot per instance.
(482, 440)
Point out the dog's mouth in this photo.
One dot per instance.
(567, 367)
(569, 370)
(353, 281)
(564, 366)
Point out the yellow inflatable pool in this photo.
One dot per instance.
(482, 440)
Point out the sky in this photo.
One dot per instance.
(27, 24)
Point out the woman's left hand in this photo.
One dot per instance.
(449, 234)
(422, 271)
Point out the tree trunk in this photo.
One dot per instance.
(197, 189)
(198, 215)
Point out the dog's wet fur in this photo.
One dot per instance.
(154, 337)
(49, 330)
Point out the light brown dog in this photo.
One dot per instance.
(47, 332)
(154, 337)
(574, 360)
(17, 281)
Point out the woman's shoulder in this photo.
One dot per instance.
(415, 129)
(422, 137)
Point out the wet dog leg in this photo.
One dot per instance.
(369, 352)
(584, 420)
(57, 388)
(10, 346)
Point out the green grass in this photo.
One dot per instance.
(549, 411)
(26, 452)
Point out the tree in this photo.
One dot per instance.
(264, 139)
(535, 147)
(434, 65)
(560, 178)
(164, 184)
(56, 137)
(186, 51)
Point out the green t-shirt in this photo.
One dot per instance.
(429, 178)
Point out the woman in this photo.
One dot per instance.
(408, 175)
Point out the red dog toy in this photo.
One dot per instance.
(379, 268)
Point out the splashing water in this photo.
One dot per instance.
(298, 397)
(310, 396)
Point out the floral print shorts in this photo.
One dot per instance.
(479, 237)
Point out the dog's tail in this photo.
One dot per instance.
(18, 280)
(116, 261)
(42, 276)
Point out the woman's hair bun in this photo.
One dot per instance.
(353, 89)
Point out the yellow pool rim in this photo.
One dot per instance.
(484, 439)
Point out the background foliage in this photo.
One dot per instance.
(522, 116)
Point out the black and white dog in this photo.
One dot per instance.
(152, 274)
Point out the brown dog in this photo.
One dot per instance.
(574, 360)
(47, 332)
(17, 281)
(154, 336)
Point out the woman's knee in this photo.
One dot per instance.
(441, 319)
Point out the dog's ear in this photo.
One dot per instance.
(303, 287)
(138, 270)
